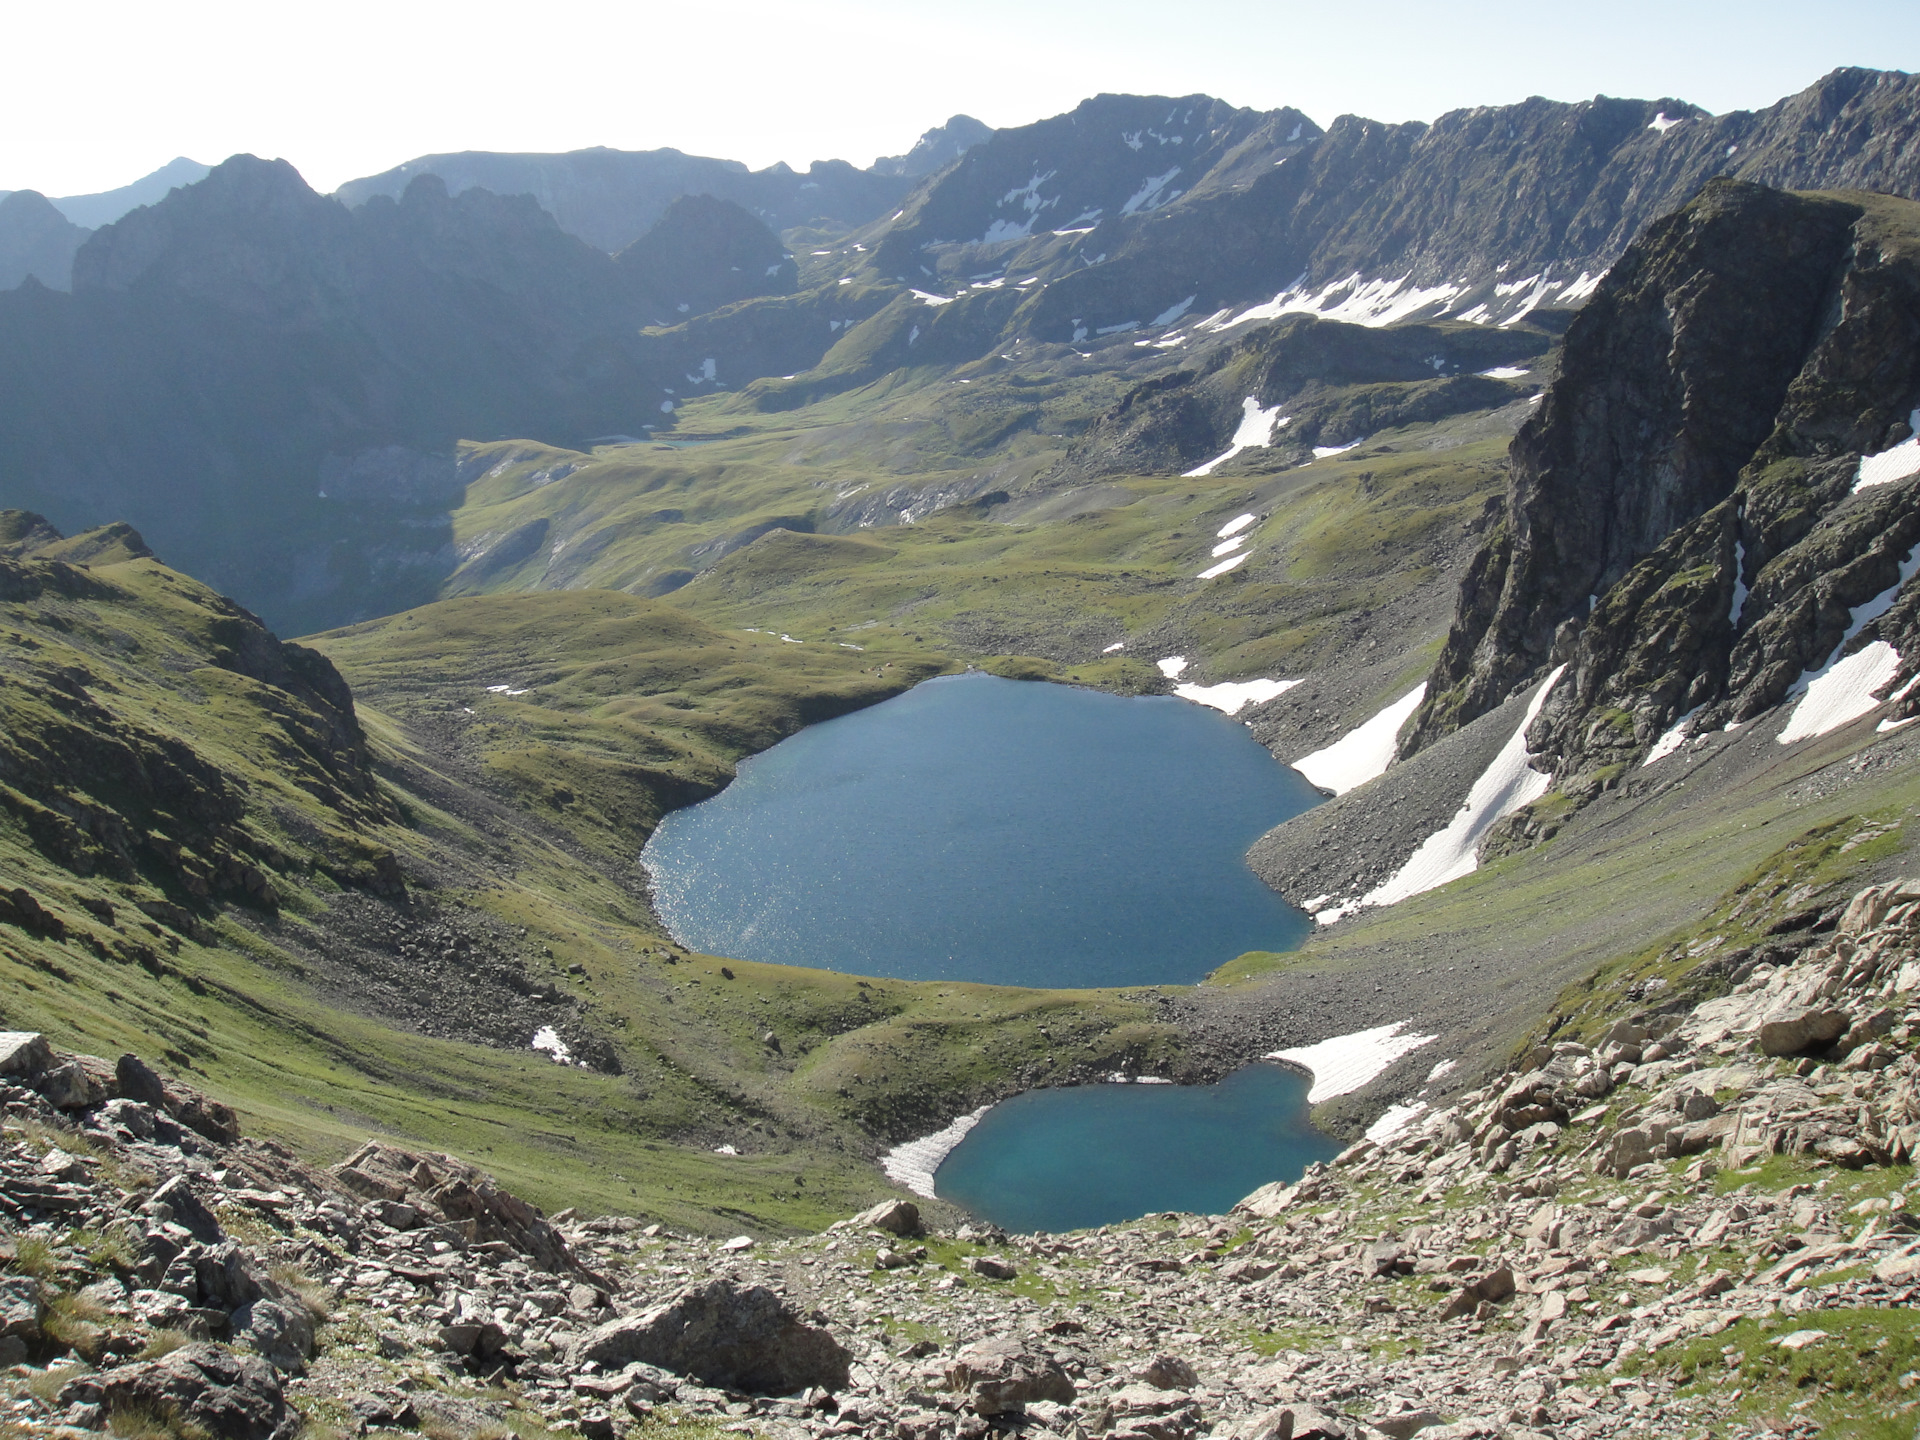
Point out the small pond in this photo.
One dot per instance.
(993, 830)
(1096, 1154)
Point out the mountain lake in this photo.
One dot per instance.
(1092, 1155)
(975, 828)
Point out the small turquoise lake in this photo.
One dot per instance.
(990, 830)
(1090, 1155)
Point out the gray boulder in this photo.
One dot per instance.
(1795, 1029)
(230, 1396)
(279, 1331)
(21, 1311)
(1002, 1376)
(732, 1336)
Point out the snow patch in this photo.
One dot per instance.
(1117, 645)
(1343, 1064)
(1503, 787)
(1356, 300)
(1147, 197)
(1236, 525)
(1232, 562)
(926, 297)
(1172, 313)
(913, 1163)
(547, 1040)
(1891, 465)
(1502, 372)
(1256, 431)
(1230, 698)
(1842, 692)
(1227, 547)
(1393, 1120)
(1671, 739)
(1172, 666)
(1739, 602)
(1363, 752)
(1661, 123)
(504, 690)
(1442, 1070)
(1321, 452)
(1583, 287)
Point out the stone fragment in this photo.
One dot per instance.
(1405, 1423)
(993, 1267)
(739, 1337)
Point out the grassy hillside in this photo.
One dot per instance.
(344, 935)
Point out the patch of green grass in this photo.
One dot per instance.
(1852, 1377)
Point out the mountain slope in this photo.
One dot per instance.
(343, 918)
(37, 240)
(107, 206)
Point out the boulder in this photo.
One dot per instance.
(1002, 1376)
(279, 1331)
(733, 1336)
(1491, 1288)
(993, 1267)
(1142, 1412)
(230, 1279)
(69, 1087)
(24, 1052)
(1796, 1029)
(229, 1396)
(188, 1210)
(1167, 1372)
(896, 1217)
(137, 1081)
(1269, 1201)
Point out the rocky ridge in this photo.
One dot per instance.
(1693, 548)
(1624, 1236)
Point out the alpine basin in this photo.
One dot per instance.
(991, 830)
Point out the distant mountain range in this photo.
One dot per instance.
(269, 382)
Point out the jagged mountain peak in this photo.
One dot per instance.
(936, 148)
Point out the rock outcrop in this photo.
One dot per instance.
(1685, 522)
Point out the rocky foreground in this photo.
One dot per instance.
(1701, 1227)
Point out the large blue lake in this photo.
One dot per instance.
(1096, 1154)
(994, 830)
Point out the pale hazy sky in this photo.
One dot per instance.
(99, 94)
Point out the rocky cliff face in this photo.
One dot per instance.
(1693, 519)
